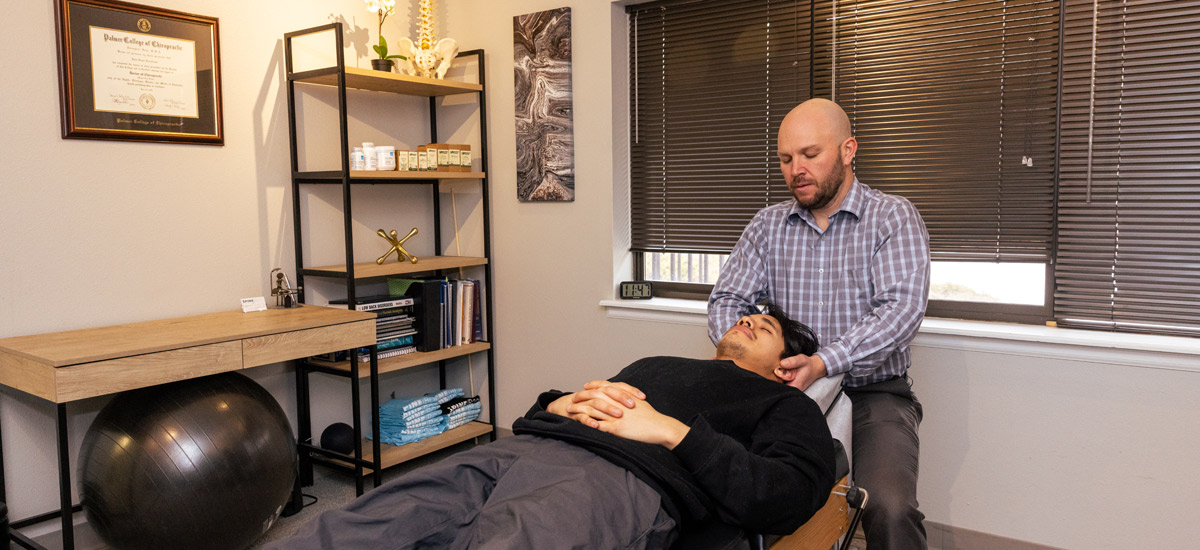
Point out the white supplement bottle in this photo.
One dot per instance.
(387, 157)
(372, 161)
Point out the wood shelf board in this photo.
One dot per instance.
(392, 455)
(415, 359)
(391, 176)
(390, 82)
(73, 347)
(414, 175)
(370, 270)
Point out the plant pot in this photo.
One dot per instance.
(383, 64)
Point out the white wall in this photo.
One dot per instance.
(553, 261)
(95, 233)
(1078, 448)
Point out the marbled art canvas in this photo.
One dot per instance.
(545, 138)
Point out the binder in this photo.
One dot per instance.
(428, 296)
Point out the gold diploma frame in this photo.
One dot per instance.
(138, 73)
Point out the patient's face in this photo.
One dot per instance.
(755, 343)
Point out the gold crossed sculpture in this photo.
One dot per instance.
(397, 246)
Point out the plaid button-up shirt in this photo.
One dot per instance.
(861, 284)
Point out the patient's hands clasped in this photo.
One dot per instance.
(620, 409)
(599, 400)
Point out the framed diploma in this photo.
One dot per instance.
(138, 73)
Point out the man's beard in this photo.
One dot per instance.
(730, 349)
(827, 189)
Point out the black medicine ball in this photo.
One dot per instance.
(338, 437)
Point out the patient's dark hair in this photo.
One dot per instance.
(797, 337)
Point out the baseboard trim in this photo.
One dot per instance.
(949, 537)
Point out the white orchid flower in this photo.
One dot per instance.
(382, 7)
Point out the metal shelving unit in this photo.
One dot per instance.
(380, 456)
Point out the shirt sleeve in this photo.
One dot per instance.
(776, 483)
(742, 283)
(900, 276)
(543, 402)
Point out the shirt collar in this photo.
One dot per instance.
(853, 204)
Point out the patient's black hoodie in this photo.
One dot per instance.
(758, 456)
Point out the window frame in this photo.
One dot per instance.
(1141, 296)
(984, 311)
(947, 309)
(999, 312)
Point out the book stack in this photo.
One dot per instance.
(465, 312)
(395, 327)
(449, 312)
(408, 420)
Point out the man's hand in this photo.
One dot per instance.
(800, 371)
(643, 423)
(599, 400)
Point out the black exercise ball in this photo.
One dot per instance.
(200, 464)
(338, 437)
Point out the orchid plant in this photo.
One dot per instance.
(383, 8)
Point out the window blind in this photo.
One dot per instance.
(710, 81)
(954, 106)
(1129, 191)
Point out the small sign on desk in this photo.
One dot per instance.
(257, 303)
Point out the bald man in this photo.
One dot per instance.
(852, 263)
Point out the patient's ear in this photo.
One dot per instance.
(787, 375)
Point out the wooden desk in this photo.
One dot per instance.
(67, 366)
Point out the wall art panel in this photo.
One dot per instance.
(545, 138)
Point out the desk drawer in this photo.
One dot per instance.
(127, 373)
(286, 346)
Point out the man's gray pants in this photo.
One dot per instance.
(521, 492)
(886, 449)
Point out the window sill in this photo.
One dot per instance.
(1136, 350)
(661, 310)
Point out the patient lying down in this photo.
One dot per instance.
(625, 463)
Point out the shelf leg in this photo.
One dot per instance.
(377, 457)
(355, 401)
(9, 533)
(3, 494)
(64, 480)
(296, 503)
(303, 425)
